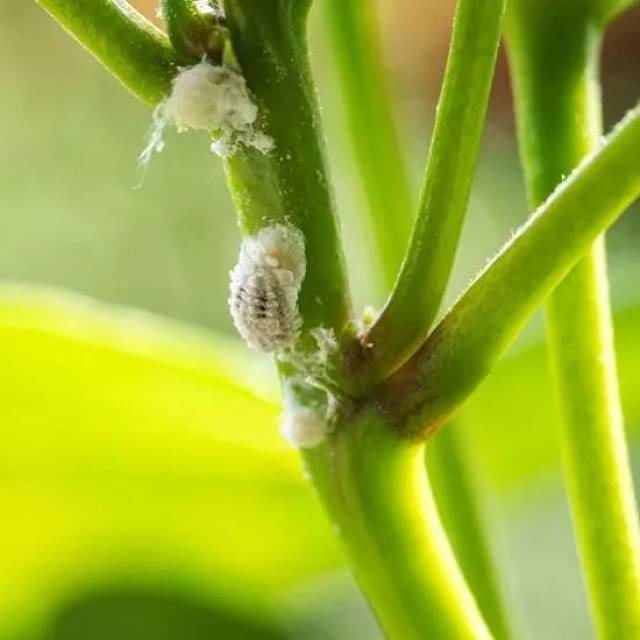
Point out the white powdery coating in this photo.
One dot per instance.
(303, 428)
(264, 287)
(212, 98)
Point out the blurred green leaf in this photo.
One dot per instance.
(118, 613)
(135, 447)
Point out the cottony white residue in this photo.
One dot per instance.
(264, 288)
(212, 98)
(313, 366)
(303, 427)
(327, 343)
(306, 424)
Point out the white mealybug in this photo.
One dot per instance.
(305, 423)
(264, 287)
(213, 98)
(303, 427)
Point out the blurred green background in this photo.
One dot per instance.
(144, 490)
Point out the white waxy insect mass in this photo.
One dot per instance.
(264, 288)
(305, 422)
(303, 427)
(214, 98)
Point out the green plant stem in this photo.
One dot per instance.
(290, 183)
(355, 43)
(459, 497)
(465, 345)
(416, 297)
(374, 484)
(555, 64)
(129, 46)
(251, 177)
(194, 30)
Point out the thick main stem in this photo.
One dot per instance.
(459, 495)
(378, 494)
(558, 107)
(290, 183)
(375, 487)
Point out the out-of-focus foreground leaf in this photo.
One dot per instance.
(133, 447)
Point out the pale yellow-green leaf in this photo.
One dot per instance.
(135, 447)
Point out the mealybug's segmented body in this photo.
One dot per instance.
(263, 312)
(264, 288)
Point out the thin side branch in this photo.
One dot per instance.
(291, 182)
(463, 348)
(414, 302)
(127, 44)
